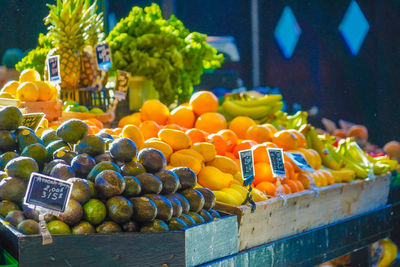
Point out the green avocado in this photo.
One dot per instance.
(119, 209)
(36, 151)
(10, 118)
(71, 131)
(15, 217)
(29, 227)
(48, 136)
(5, 158)
(102, 166)
(108, 227)
(57, 227)
(7, 141)
(6, 207)
(21, 167)
(25, 137)
(12, 189)
(155, 226)
(92, 145)
(94, 211)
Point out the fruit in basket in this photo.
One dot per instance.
(144, 209)
(152, 160)
(72, 214)
(133, 186)
(164, 206)
(12, 189)
(94, 211)
(28, 227)
(58, 227)
(80, 190)
(82, 164)
(15, 217)
(96, 111)
(82, 109)
(149, 183)
(209, 198)
(83, 228)
(155, 226)
(27, 91)
(21, 167)
(110, 183)
(10, 118)
(29, 75)
(108, 227)
(44, 90)
(101, 166)
(123, 150)
(195, 198)
(119, 209)
(72, 130)
(176, 224)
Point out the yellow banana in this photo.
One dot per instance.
(326, 157)
(253, 112)
(389, 253)
(266, 100)
(343, 175)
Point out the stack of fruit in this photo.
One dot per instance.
(114, 189)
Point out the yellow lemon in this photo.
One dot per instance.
(29, 75)
(45, 92)
(5, 95)
(55, 89)
(226, 198)
(27, 91)
(10, 87)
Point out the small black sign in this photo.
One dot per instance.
(247, 166)
(300, 161)
(48, 192)
(32, 120)
(122, 80)
(103, 56)
(276, 159)
(53, 64)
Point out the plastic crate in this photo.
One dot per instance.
(90, 97)
(6, 260)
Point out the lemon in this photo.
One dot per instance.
(10, 87)
(236, 195)
(29, 75)
(27, 91)
(6, 95)
(258, 195)
(241, 189)
(45, 92)
(226, 198)
(54, 91)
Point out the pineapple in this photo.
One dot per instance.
(67, 21)
(94, 35)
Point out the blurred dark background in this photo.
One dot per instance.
(322, 71)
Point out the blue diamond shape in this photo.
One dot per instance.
(287, 32)
(354, 27)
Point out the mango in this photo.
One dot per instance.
(207, 150)
(176, 139)
(214, 179)
(224, 164)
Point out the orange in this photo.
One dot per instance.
(211, 122)
(154, 110)
(270, 145)
(299, 185)
(289, 170)
(93, 129)
(306, 179)
(134, 119)
(258, 133)
(174, 126)
(339, 133)
(289, 160)
(27, 91)
(231, 156)
(263, 172)
(260, 153)
(240, 125)
(230, 137)
(271, 128)
(301, 140)
(267, 187)
(219, 142)
(293, 186)
(203, 102)
(182, 116)
(117, 131)
(95, 122)
(29, 75)
(358, 131)
(243, 145)
(196, 135)
(285, 139)
(149, 129)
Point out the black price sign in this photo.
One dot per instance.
(247, 166)
(32, 120)
(276, 159)
(122, 80)
(53, 65)
(48, 193)
(300, 161)
(103, 56)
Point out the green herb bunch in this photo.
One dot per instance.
(146, 44)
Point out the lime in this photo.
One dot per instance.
(94, 211)
(57, 227)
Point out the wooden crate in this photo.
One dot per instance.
(105, 118)
(303, 211)
(52, 109)
(193, 246)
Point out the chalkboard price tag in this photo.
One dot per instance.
(53, 66)
(32, 120)
(275, 156)
(47, 193)
(300, 161)
(122, 80)
(247, 165)
(103, 56)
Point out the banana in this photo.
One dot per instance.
(276, 107)
(357, 153)
(343, 175)
(254, 112)
(335, 155)
(326, 157)
(266, 100)
(389, 253)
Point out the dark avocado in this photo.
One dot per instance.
(6, 207)
(196, 217)
(123, 149)
(110, 183)
(29, 227)
(176, 224)
(73, 213)
(206, 215)
(209, 198)
(64, 154)
(83, 228)
(132, 168)
(119, 209)
(133, 187)
(131, 226)
(81, 191)
(49, 166)
(176, 205)
(155, 226)
(12, 189)
(15, 217)
(215, 214)
(187, 177)
(187, 219)
(92, 145)
(62, 171)
(170, 181)
(103, 157)
(152, 160)
(144, 209)
(184, 202)
(164, 206)
(195, 199)
(7, 141)
(150, 183)
(83, 164)
(108, 227)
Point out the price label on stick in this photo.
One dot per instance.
(53, 66)
(275, 156)
(247, 166)
(300, 161)
(47, 195)
(103, 56)
(32, 120)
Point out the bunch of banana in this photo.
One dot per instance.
(383, 164)
(355, 158)
(257, 108)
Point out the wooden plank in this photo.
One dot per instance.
(211, 241)
(318, 245)
(304, 211)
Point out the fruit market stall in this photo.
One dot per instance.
(137, 169)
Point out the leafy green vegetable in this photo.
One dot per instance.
(35, 59)
(146, 44)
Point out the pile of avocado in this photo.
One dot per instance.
(115, 187)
